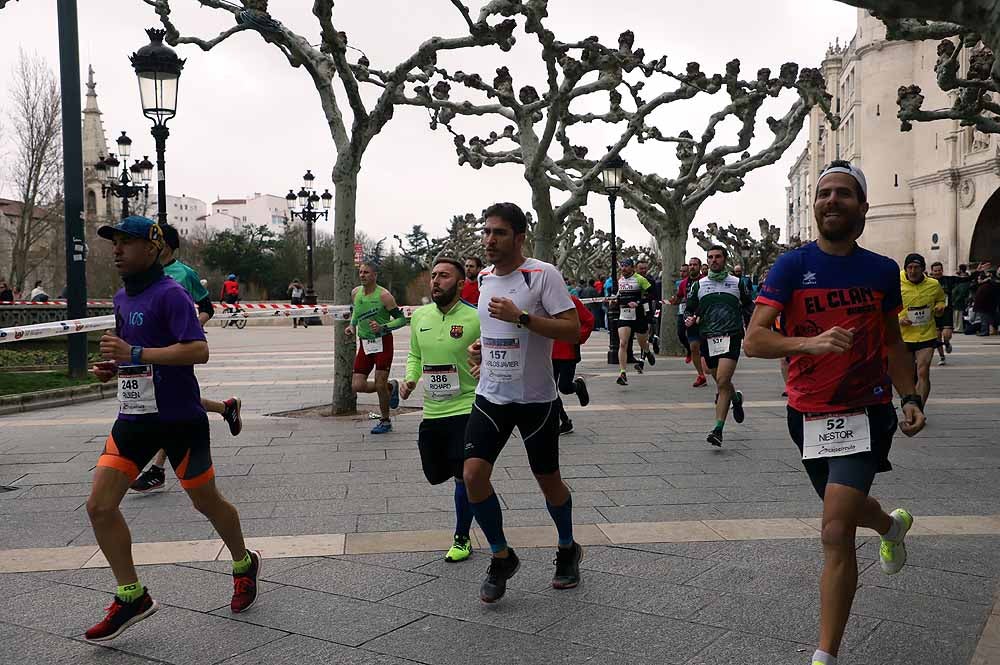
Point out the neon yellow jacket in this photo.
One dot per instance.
(442, 341)
(921, 303)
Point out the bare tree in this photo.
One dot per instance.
(35, 167)
(754, 254)
(329, 62)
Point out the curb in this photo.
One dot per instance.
(988, 650)
(46, 399)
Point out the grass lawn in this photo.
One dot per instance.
(41, 352)
(12, 383)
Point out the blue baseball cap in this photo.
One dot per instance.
(136, 226)
(627, 262)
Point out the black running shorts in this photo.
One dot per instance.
(735, 345)
(858, 470)
(441, 442)
(490, 425)
(913, 347)
(187, 443)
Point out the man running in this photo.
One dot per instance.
(840, 304)
(716, 304)
(945, 323)
(153, 350)
(690, 333)
(632, 317)
(565, 358)
(374, 317)
(923, 301)
(440, 336)
(653, 297)
(155, 476)
(470, 292)
(523, 307)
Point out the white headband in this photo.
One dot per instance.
(850, 170)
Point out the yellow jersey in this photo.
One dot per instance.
(921, 303)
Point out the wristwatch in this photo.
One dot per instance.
(912, 399)
(524, 319)
(136, 355)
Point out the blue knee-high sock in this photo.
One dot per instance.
(491, 521)
(563, 517)
(463, 511)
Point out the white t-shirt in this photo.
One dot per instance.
(517, 363)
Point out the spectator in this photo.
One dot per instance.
(6, 295)
(38, 293)
(985, 302)
(296, 292)
(960, 292)
(588, 291)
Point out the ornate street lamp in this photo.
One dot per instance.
(306, 199)
(158, 69)
(613, 176)
(123, 181)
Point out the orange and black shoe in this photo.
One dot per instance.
(245, 585)
(232, 415)
(120, 616)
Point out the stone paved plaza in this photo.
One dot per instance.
(693, 555)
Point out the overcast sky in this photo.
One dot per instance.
(247, 122)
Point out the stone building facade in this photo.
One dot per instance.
(933, 190)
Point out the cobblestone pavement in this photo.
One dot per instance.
(742, 590)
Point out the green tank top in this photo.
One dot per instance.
(370, 308)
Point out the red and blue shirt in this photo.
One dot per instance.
(814, 292)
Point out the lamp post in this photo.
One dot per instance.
(307, 199)
(612, 177)
(158, 69)
(126, 184)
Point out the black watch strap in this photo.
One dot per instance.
(912, 399)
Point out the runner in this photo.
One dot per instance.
(945, 323)
(296, 293)
(441, 334)
(374, 317)
(153, 350)
(716, 304)
(923, 300)
(523, 307)
(840, 304)
(565, 358)
(652, 304)
(470, 292)
(155, 476)
(632, 317)
(690, 333)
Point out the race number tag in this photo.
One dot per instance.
(371, 346)
(502, 359)
(835, 435)
(649, 307)
(718, 345)
(918, 316)
(627, 314)
(136, 393)
(681, 307)
(441, 381)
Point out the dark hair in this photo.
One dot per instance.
(170, 236)
(937, 263)
(38, 283)
(473, 257)
(696, 258)
(371, 265)
(510, 213)
(453, 262)
(844, 164)
(720, 248)
(962, 266)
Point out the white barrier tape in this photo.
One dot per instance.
(56, 328)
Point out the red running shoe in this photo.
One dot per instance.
(687, 359)
(245, 586)
(121, 615)
(699, 382)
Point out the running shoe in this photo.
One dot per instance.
(566, 427)
(500, 570)
(120, 616)
(738, 413)
(784, 393)
(622, 379)
(460, 550)
(699, 382)
(947, 346)
(582, 393)
(232, 415)
(941, 361)
(639, 367)
(687, 358)
(650, 357)
(656, 343)
(245, 586)
(383, 427)
(715, 437)
(567, 563)
(892, 553)
(394, 395)
(150, 479)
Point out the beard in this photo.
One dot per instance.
(841, 232)
(445, 296)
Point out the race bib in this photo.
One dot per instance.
(918, 316)
(441, 381)
(136, 392)
(649, 307)
(502, 359)
(681, 308)
(371, 346)
(835, 435)
(627, 314)
(718, 345)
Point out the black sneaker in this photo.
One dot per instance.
(150, 479)
(245, 585)
(656, 343)
(567, 567)
(738, 413)
(715, 438)
(565, 427)
(120, 616)
(622, 379)
(500, 570)
(582, 393)
(639, 366)
(947, 346)
(650, 357)
(232, 415)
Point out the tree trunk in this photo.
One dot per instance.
(672, 243)
(546, 226)
(344, 273)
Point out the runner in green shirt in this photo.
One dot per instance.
(440, 336)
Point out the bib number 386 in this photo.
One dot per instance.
(835, 435)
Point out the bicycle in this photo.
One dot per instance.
(237, 317)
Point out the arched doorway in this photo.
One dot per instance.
(986, 236)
